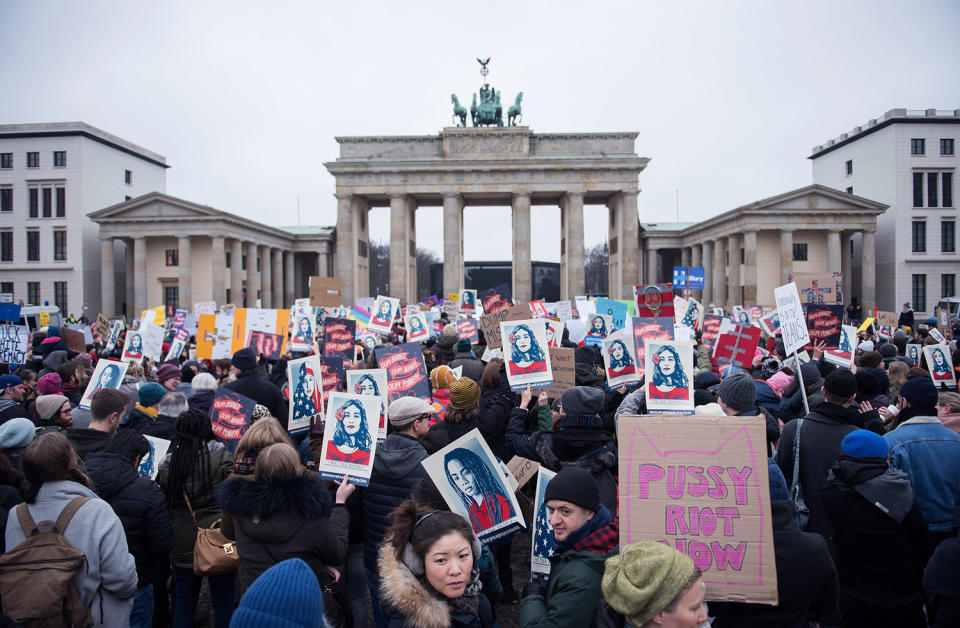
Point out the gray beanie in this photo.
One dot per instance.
(582, 401)
(738, 391)
(449, 336)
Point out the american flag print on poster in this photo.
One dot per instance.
(306, 393)
(542, 541)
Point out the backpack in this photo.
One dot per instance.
(36, 577)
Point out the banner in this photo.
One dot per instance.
(824, 322)
(496, 298)
(541, 541)
(230, 415)
(526, 354)
(14, 344)
(700, 484)
(349, 443)
(406, 371)
(695, 276)
(669, 380)
(338, 338)
(793, 325)
(647, 329)
(306, 394)
(564, 367)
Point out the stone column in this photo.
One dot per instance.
(401, 237)
(719, 273)
(652, 269)
(236, 273)
(347, 249)
(452, 243)
(108, 301)
(846, 266)
(733, 269)
(218, 261)
(572, 209)
(786, 255)
(869, 270)
(624, 265)
(522, 269)
(185, 284)
(277, 280)
(266, 277)
(685, 256)
(323, 264)
(288, 289)
(750, 269)
(833, 251)
(253, 276)
(128, 280)
(139, 276)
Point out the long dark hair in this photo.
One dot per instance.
(678, 379)
(360, 440)
(534, 353)
(483, 477)
(189, 456)
(49, 458)
(622, 362)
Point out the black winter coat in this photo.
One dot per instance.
(138, 420)
(396, 470)
(491, 420)
(85, 441)
(251, 384)
(278, 518)
(472, 367)
(161, 428)
(202, 401)
(941, 585)
(141, 507)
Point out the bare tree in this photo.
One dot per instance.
(596, 269)
(379, 268)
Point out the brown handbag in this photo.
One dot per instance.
(213, 553)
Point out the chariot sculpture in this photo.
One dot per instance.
(488, 111)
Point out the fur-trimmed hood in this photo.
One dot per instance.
(405, 594)
(305, 495)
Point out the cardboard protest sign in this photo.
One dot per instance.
(406, 371)
(467, 330)
(73, 339)
(563, 365)
(371, 382)
(770, 324)
(887, 319)
(599, 326)
(564, 310)
(107, 374)
(818, 287)
(266, 345)
(843, 355)
(554, 333)
(654, 300)
(204, 307)
(468, 300)
(737, 346)
(711, 330)
(940, 365)
(177, 344)
(614, 310)
(384, 313)
(306, 393)
(490, 323)
(824, 323)
(418, 330)
(914, 352)
(647, 329)
(541, 541)
(669, 381)
(793, 324)
(338, 335)
(700, 484)
(14, 344)
(150, 464)
(693, 314)
(526, 354)
(325, 291)
(101, 327)
(495, 298)
(230, 415)
(472, 483)
(349, 442)
(522, 470)
(620, 360)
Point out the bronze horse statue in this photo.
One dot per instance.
(458, 110)
(514, 112)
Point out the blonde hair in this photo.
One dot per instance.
(897, 372)
(279, 459)
(263, 433)
(951, 399)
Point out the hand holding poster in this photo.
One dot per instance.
(349, 444)
(338, 336)
(306, 393)
(669, 382)
(230, 415)
(526, 354)
(406, 371)
(793, 325)
(372, 382)
(940, 366)
(700, 483)
(620, 360)
(107, 374)
(385, 311)
(542, 541)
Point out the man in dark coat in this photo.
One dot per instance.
(11, 398)
(250, 383)
(396, 470)
(906, 317)
(142, 509)
(472, 367)
(145, 412)
(107, 408)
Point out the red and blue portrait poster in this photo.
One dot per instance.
(230, 415)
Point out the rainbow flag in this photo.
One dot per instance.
(361, 316)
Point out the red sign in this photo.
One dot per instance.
(654, 300)
(738, 346)
(711, 330)
(647, 329)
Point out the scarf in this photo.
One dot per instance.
(152, 412)
(467, 603)
(601, 519)
(245, 464)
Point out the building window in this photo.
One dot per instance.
(128, 177)
(60, 295)
(60, 245)
(799, 252)
(948, 285)
(919, 302)
(946, 146)
(948, 236)
(171, 299)
(851, 247)
(33, 246)
(33, 160)
(6, 246)
(849, 166)
(47, 202)
(33, 293)
(59, 158)
(918, 189)
(946, 179)
(258, 264)
(61, 202)
(742, 258)
(6, 199)
(34, 202)
(939, 192)
(919, 236)
(917, 146)
(228, 295)
(243, 262)
(6, 160)
(850, 190)
(172, 257)
(932, 189)
(227, 264)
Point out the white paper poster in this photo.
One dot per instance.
(525, 351)
(349, 437)
(107, 374)
(793, 324)
(372, 382)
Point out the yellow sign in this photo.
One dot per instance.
(44, 319)
(863, 326)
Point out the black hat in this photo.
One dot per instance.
(582, 401)
(245, 359)
(841, 383)
(574, 485)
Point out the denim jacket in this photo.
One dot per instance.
(929, 454)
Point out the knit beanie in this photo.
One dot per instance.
(449, 336)
(738, 391)
(866, 385)
(442, 377)
(49, 384)
(260, 412)
(869, 358)
(582, 401)
(464, 393)
(167, 371)
(644, 578)
(49, 405)
(842, 383)
(16, 433)
(778, 483)
(285, 596)
(575, 485)
(866, 345)
(150, 394)
(811, 375)
(887, 350)
(463, 345)
(864, 444)
(245, 359)
(919, 393)
(779, 382)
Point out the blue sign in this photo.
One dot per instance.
(9, 312)
(679, 277)
(615, 309)
(695, 278)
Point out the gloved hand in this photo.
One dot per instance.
(536, 585)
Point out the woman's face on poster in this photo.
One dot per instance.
(309, 382)
(385, 309)
(617, 350)
(743, 317)
(370, 342)
(415, 325)
(667, 363)
(938, 358)
(352, 419)
(106, 377)
(523, 339)
(463, 478)
(550, 334)
(135, 342)
(304, 326)
(366, 388)
(598, 323)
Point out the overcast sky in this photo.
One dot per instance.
(245, 98)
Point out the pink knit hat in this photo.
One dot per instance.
(49, 384)
(779, 382)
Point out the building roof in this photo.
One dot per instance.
(308, 230)
(82, 129)
(937, 116)
(665, 226)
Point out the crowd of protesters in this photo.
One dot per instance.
(864, 535)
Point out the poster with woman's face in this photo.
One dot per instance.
(843, 354)
(620, 360)
(302, 333)
(599, 326)
(417, 328)
(107, 374)
(742, 316)
(349, 437)
(913, 353)
(150, 463)
(770, 324)
(384, 312)
(554, 333)
(472, 483)
(669, 377)
(372, 382)
(133, 346)
(468, 300)
(306, 393)
(541, 541)
(526, 355)
(940, 365)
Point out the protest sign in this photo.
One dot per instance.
(331, 376)
(10, 312)
(73, 339)
(770, 324)
(385, 311)
(325, 291)
(669, 382)
(700, 484)
(265, 344)
(214, 336)
(913, 353)
(791, 361)
(14, 344)
(793, 325)
(620, 360)
(692, 317)
(495, 298)
(564, 310)
(887, 319)
(372, 382)
(654, 300)
(695, 278)
(133, 346)
(742, 315)
(338, 338)
(101, 327)
(737, 346)
(306, 393)
(230, 415)
(526, 354)
(152, 338)
(349, 443)
(472, 483)
(824, 323)
(818, 287)
(490, 323)
(843, 355)
(538, 309)
(417, 328)
(406, 371)
(599, 326)
(563, 365)
(177, 344)
(204, 307)
(936, 335)
(647, 329)
(43, 318)
(711, 330)
(303, 332)
(467, 330)
(522, 470)
(615, 310)
(468, 300)
(541, 541)
(150, 463)
(554, 333)
(756, 312)
(940, 365)
(679, 277)
(179, 319)
(246, 320)
(116, 327)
